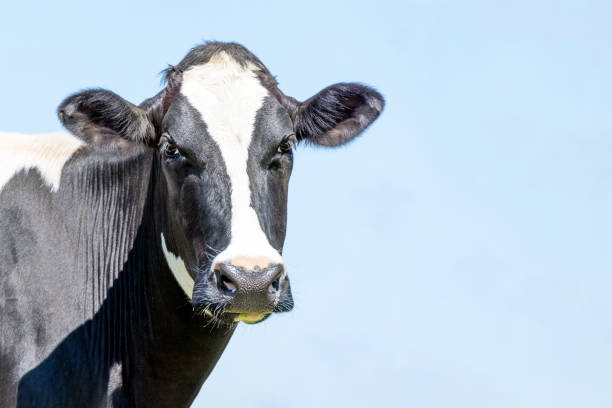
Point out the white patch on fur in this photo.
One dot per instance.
(179, 271)
(115, 379)
(48, 152)
(228, 97)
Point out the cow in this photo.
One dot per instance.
(132, 245)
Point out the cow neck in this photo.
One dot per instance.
(169, 351)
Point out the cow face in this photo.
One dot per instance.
(224, 135)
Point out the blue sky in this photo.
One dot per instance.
(459, 253)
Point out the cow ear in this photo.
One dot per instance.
(337, 114)
(95, 112)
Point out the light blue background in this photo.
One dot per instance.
(459, 253)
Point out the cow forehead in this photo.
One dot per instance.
(227, 95)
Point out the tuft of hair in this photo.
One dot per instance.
(202, 54)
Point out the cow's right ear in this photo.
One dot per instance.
(96, 112)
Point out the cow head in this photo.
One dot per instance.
(224, 136)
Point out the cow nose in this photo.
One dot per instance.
(252, 283)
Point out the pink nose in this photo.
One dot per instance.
(250, 263)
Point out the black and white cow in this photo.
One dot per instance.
(131, 247)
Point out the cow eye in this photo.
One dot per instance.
(171, 151)
(286, 145)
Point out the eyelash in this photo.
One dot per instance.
(171, 151)
(169, 148)
(286, 145)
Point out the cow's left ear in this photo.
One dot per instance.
(97, 112)
(337, 114)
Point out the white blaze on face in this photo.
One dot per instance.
(228, 97)
(47, 152)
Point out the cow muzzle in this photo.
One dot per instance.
(253, 287)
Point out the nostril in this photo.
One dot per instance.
(274, 286)
(228, 284)
(225, 284)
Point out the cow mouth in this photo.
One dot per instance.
(250, 318)
(233, 317)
